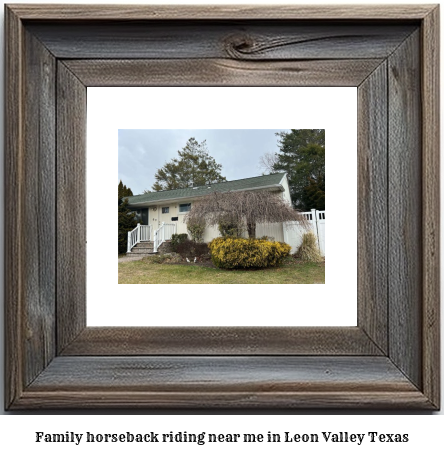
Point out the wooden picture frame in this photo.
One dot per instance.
(390, 360)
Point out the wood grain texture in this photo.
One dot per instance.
(372, 207)
(208, 381)
(71, 206)
(103, 367)
(221, 72)
(13, 207)
(431, 203)
(127, 341)
(405, 209)
(235, 40)
(255, 400)
(209, 373)
(220, 12)
(38, 207)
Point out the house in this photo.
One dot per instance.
(162, 214)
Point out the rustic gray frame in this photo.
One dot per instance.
(390, 360)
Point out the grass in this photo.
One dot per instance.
(290, 272)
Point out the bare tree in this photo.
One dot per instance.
(246, 209)
(267, 162)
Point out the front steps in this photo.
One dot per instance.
(142, 249)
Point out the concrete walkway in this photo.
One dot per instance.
(126, 259)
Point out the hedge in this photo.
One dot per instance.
(238, 253)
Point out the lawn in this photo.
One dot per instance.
(143, 271)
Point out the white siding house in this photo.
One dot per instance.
(166, 210)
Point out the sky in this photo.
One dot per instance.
(143, 152)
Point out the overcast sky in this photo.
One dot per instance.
(143, 152)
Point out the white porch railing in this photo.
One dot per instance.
(139, 234)
(162, 234)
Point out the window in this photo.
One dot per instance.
(165, 210)
(185, 207)
(137, 215)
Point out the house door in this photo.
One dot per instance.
(144, 216)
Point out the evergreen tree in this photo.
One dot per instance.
(302, 156)
(313, 195)
(194, 167)
(124, 190)
(127, 218)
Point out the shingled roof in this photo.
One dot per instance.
(251, 183)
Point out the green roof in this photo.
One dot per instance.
(250, 183)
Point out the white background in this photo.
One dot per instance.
(329, 304)
(16, 432)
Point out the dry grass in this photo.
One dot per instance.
(309, 249)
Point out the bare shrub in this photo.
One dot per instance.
(244, 210)
(196, 227)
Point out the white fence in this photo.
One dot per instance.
(320, 227)
(293, 232)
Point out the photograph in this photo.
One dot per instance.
(229, 207)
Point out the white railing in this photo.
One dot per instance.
(139, 234)
(145, 232)
(162, 234)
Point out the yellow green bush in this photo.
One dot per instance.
(238, 253)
